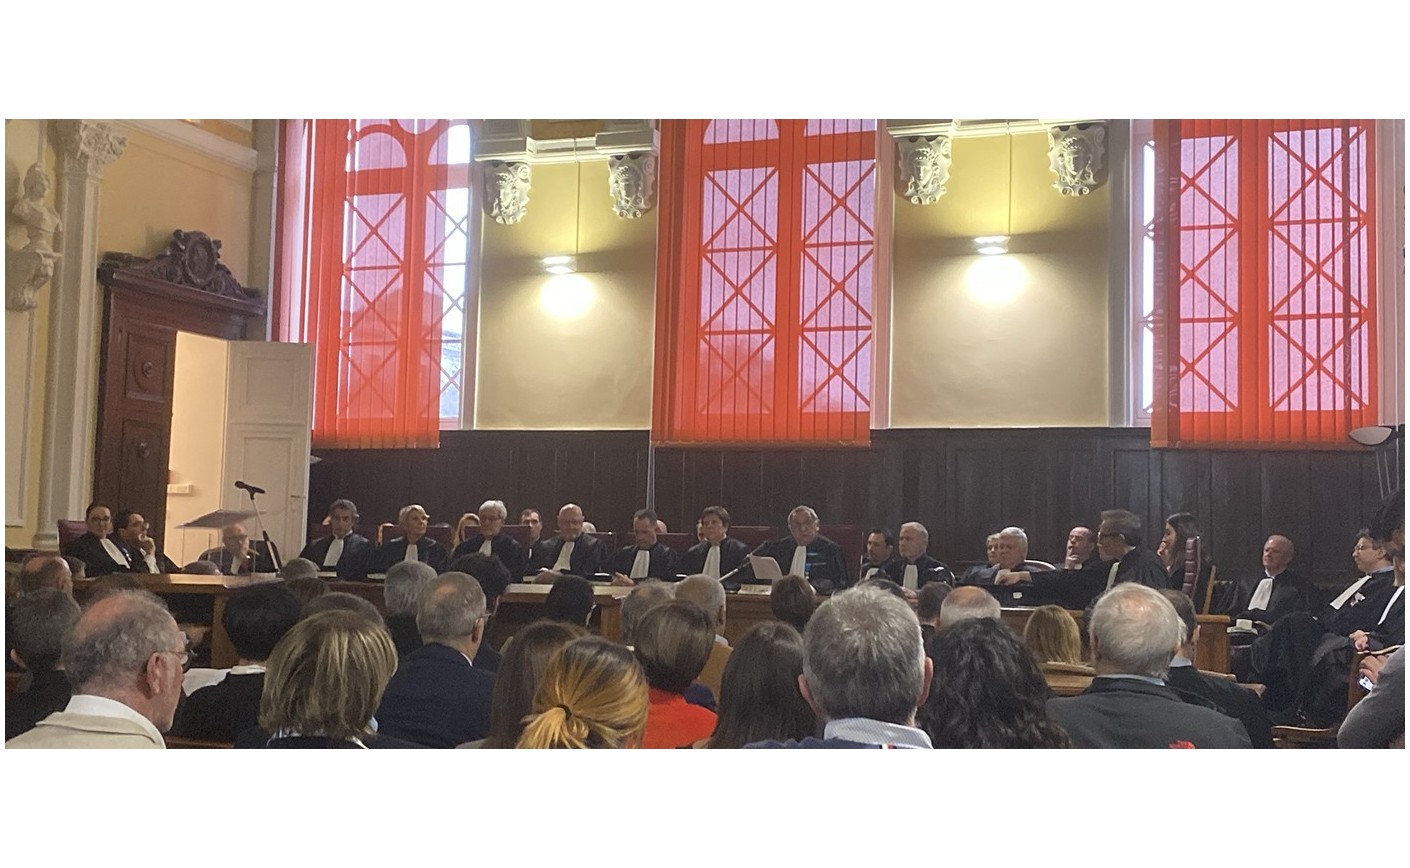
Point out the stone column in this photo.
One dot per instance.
(84, 149)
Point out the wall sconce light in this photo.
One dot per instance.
(560, 264)
(991, 245)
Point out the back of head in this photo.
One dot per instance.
(257, 617)
(1135, 631)
(45, 570)
(792, 601)
(41, 618)
(489, 571)
(108, 647)
(705, 592)
(886, 585)
(112, 584)
(594, 694)
(987, 691)
(759, 696)
(863, 657)
(76, 567)
(305, 590)
(298, 568)
(961, 604)
(1053, 636)
(569, 600)
(929, 599)
(201, 568)
(1185, 609)
(326, 676)
(1124, 522)
(340, 601)
(450, 609)
(673, 643)
(642, 599)
(405, 582)
(520, 672)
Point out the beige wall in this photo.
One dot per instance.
(538, 370)
(966, 356)
(197, 441)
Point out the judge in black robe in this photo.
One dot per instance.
(662, 562)
(413, 521)
(351, 564)
(238, 556)
(589, 554)
(97, 560)
(823, 566)
(502, 546)
(928, 570)
(1289, 595)
(732, 554)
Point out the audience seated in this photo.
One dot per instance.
(1221, 694)
(1378, 720)
(593, 695)
(413, 544)
(402, 597)
(572, 551)
(673, 642)
(864, 673)
(570, 600)
(717, 554)
(41, 618)
(306, 589)
(341, 601)
(45, 570)
(324, 682)
(646, 557)
(1053, 636)
(792, 601)
(928, 602)
(709, 595)
(224, 703)
(298, 568)
(1276, 591)
(987, 691)
(489, 539)
(807, 553)
(520, 673)
(642, 599)
(344, 550)
(1135, 633)
(759, 698)
(438, 698)
(201, 568)
(494, 579)
(125, 658)
(235, 556)
(967, 602)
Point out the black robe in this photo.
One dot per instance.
(428, 551)
(96, 560)
(928, 570)
(882, 570)
(826, 568)
(664, 563)
(352, 563)
(589, 555)
(222, 558)
(502, 546)
(1228, 698)
(1289, 595)
(733, 553)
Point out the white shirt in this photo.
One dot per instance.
(911, 577)
(1262, 594)
(800, 557)
(1349, 592)
(197, 678)
(565, 556)
(641, 564)
(712, 562)
(101, 706)
(486, 547)
(413, 553)
(335, 551)
(1393, 598)
(868, 572)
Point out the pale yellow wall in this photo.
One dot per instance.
(961, 358)
(539, 371)
(197, 441)
(22, 149)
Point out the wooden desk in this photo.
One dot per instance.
(522, 604)
(1211, 655)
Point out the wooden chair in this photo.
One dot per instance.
(520, 533)
(680, 542)
(70, 530)
(607, 537)
(752, 535)
(382, 530)
(1326, 737)
(441, 533)
(176, 743)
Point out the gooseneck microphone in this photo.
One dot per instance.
(252, 489)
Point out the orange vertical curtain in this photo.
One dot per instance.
(766, 276)
(358, 242)
(1265, 284)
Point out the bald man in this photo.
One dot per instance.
(1277, 591)
(236, 557)
(571, 551)
(126, 659)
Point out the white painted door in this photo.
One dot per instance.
(268, 436)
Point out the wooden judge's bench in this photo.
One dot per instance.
(523, 604)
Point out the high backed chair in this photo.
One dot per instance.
(441, 533)
(680, 542)
(70, 530)
(752, 535)
(519, 533)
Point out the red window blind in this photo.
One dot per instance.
(1264, 282)
(766, 281)
(375, 250)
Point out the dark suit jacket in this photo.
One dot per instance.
(428, 551)
(404, 633)
(1289, 595)
(1227, 697)
(436, 699)
(352, 563)
(732, 554)
(928, 570)
(589, 555)
(827, 571)
(1076, 589)
(222, 711)
(96, 560)
(222, 558)
(664, 562)
(502, 546)
(487, 659)
(48, 692)
(1124, 712)
(258, 738)
(139, 563)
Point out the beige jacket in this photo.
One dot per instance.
(64, 729)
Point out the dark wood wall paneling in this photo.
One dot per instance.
(962, 484)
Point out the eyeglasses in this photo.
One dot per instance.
(187, 656)
(1109, 535)
(1364, 548)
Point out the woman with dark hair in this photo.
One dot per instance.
(593, 695)
(517, 680)
(1179, 528)
(987, 691)
(569, 600)
(673, 643)
(792, 601)
(759, 698)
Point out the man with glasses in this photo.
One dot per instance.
(140, 549)
(126, 659)
(807, 553)
(1123, 559)
(236, 557)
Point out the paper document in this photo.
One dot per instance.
(765, 569)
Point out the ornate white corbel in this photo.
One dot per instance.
(922, 158)
(507, 190)
(28, 267)
(630, 147)
(1077, 155)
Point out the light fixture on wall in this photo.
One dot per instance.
(567, 295)
(998, 245)
(560, 264)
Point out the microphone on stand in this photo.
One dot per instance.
(273, 550)
(252, 489)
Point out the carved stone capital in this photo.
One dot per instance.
(631, 179)
(507, 190)
(86, 147)
(1077, 155)
(923, 167)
